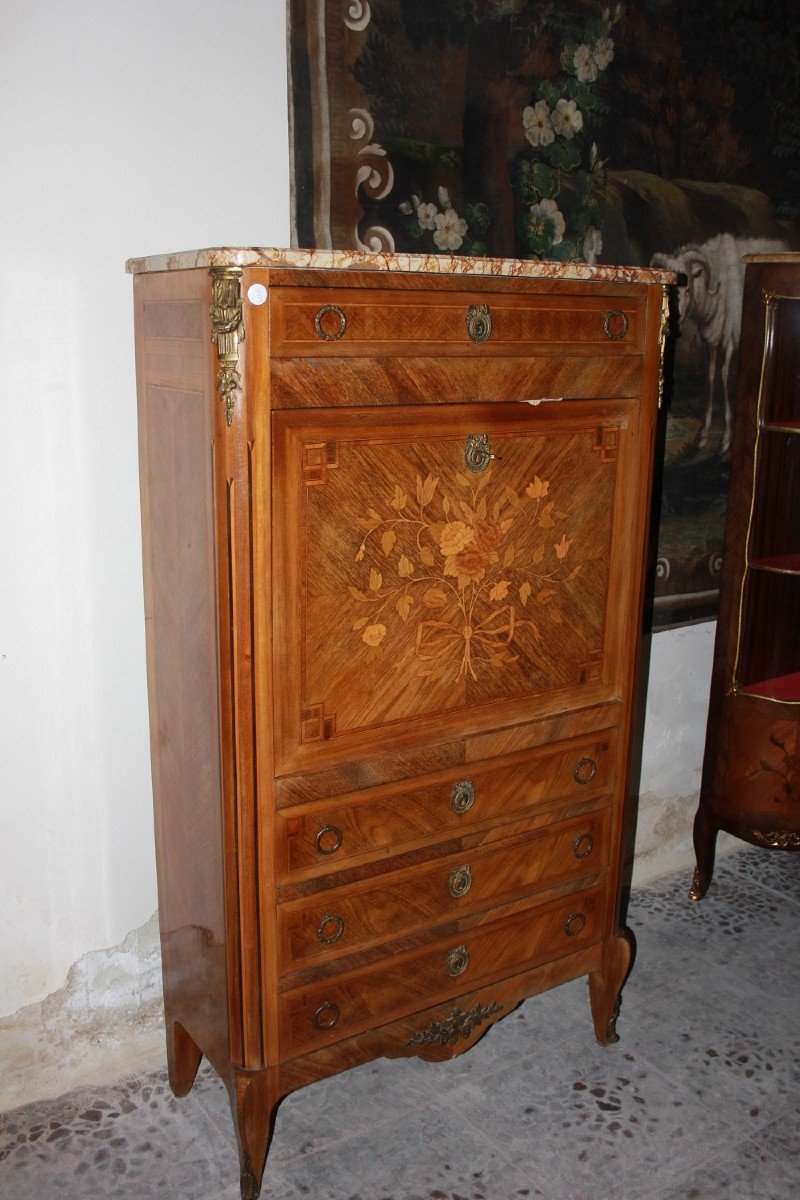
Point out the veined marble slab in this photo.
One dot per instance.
(433, 264)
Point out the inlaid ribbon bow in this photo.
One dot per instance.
(438, 638)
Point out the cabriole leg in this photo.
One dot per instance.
(605, 986)
(183, 1058)
(705, 839)
(254, 1103)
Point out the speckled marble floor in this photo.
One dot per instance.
(700, 1099)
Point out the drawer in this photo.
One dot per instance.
(379, 821)
(345, 919)
(354, 322)
(339, 1007)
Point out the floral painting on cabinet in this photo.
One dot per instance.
(663, 132)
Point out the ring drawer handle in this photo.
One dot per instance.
(329, 939)
(342, 319)
(462, 797)
(320, 1021)
(479, 323)
(337, 839)
(574, 924)
(612, 318)
(585, 770)
(460, 881)
(583, 845)
(457, 961)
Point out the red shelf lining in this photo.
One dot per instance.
(784, 687)
(789, 563)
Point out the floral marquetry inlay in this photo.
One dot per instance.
(445, 589)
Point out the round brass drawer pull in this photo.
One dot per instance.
(462, 797)
(460, 882)
(326, 1015)
(479, 323)
(574, 924)
(338, 929)
(323, 834)
(335, 334)
(457, 961)
(583, 845)
(585, 770)
(615, 325)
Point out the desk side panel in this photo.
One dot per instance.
(176, 430)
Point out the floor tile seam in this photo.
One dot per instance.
(324, 1147)
(782, 896)
(756, 988)
(548, 1185)
(681, 1179)
(761, 1147)
(498, 1147)
(678, 938)
(542, 1184)
(718, 1158)
(730, 1125)
(730, 904)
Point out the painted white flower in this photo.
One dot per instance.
(450, 230)
(603, 52)
(547, 213)
(537, 124)
(567, 118)
(426, 215)
(592, 244)
(405, 208)
(585, 64)
(444, 197)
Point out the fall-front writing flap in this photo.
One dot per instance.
(440, 563)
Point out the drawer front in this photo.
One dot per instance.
(338, 1008)
(382, 820)
(346, 919)
(356, 322)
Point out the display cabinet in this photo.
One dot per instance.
(394, 516)
(751, 771)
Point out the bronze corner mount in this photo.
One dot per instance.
(227, 331)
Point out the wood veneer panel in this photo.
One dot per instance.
(348, 487)
(369, 382)
(177, 486)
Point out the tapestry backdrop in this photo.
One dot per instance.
(663, 132)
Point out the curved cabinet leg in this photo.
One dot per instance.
(183, 1058)
(605, 986)
(705, 840)
(254, 1103)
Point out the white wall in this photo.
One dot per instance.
(132, 127)
(129, 127)
(674, 735)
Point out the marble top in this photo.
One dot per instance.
(434, 264)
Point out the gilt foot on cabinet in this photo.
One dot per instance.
(605, 987)
(183, 1058)
(254, 1102)
(705, 838)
